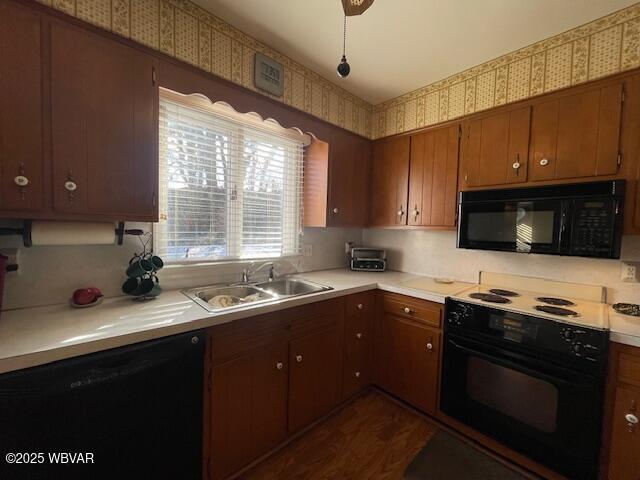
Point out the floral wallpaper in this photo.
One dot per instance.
(182, 29)
(603, 47)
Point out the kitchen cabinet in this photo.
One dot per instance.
(358, 343)
(389, 182)
(577, 135)
(248, 407)
(314, 383)
(104, 117)
(407, 350)
(495, 148)
(22, 162)
(433, 177)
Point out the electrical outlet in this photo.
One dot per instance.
(307, 250)
(628, 272)
(347, 247)
(13, 258)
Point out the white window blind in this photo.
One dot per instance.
(230, 184)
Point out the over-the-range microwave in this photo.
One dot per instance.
(582, 219)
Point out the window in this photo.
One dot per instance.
(230, 183)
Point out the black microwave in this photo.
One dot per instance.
(582, 219)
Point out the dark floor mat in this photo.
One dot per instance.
(445, 457)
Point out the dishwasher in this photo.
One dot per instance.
(133, 412)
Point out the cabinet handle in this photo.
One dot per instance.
(299, 358)
(360, 306)
(631, 419)
(415, 212)
(516, 164)
(279, 365)
(335, 211)
(21, 181)
(356, 374)
(358, 335)
(70, 186)
(408, 311)
(401, 211)
(429, 346)
(544, 162)
(466, 177)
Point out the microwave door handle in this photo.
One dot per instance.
(513, 365)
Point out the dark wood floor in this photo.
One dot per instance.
(372, 437)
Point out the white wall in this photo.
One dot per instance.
(49, 275)
(434, 253)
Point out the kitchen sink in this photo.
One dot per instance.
(223, 298)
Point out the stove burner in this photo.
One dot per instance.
(563, 312)
(504, 293)
(627, 309)
(489, 297)
(556, 301)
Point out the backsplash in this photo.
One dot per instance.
(603, 47)
(434, 253)
(49, 275)
(185, 31)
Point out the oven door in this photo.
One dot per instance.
(529, 226)
(542, 410)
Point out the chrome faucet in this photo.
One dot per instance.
(248, 272)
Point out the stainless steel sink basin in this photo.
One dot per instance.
(223, 298)
(290, 287)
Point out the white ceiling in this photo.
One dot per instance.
(400, 45)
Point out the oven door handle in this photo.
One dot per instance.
(516, 366)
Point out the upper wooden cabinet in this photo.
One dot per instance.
(337, 181)
(389, 182)
(22, 172)
(495, 148)
(104, 102)
(577, 135)
(433, 177)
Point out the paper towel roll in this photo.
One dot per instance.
(72, 233)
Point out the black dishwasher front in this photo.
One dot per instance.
(129, 413)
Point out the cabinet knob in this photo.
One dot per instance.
(401, 211)
(279, 365)
(356, 374)
(416, 212)
(631, 419)
(21, 181)
(359, 335)
(299, 358)
(335, 211)
(407, 310)
(429, 346)
(70, 186)
(544, 162)
(360, 306)
(516, 165)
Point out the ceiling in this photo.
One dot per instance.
(400, 45)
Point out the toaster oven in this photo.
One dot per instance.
(368, 259)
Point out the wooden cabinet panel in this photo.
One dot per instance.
(624, 461)
(495, 150)
(433, 177)
(315, 377)
(423, 311)
(349, 169)
(356, 375)
(407, 358)
(577, 135)
(248, 408)
(104, 127)
(21, 109)
(389, 182)
(358, 343)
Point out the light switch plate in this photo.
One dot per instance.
(307, 250)
(628, 272)
(13, 259)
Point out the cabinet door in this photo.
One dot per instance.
(624, 461)
(577, 135)
(407, 361)
(390, 182)
(433, 177)
(21, 152)
(495, 149)
(315, 377)
(248, 408)
(104, 127)
(349, 169)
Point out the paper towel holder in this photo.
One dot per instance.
(25, 232)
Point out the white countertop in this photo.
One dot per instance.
(35, 336)
(624, 328)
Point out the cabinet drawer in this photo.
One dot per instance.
(429, 313)
(360, 303)
(629, 368)
(356, 374)
(357, 334)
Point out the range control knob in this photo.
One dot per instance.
(454, 318)
(568, 334)
(577, 349)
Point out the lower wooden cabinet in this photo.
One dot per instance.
(248, 408)
(407, 353)
(358, 343)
